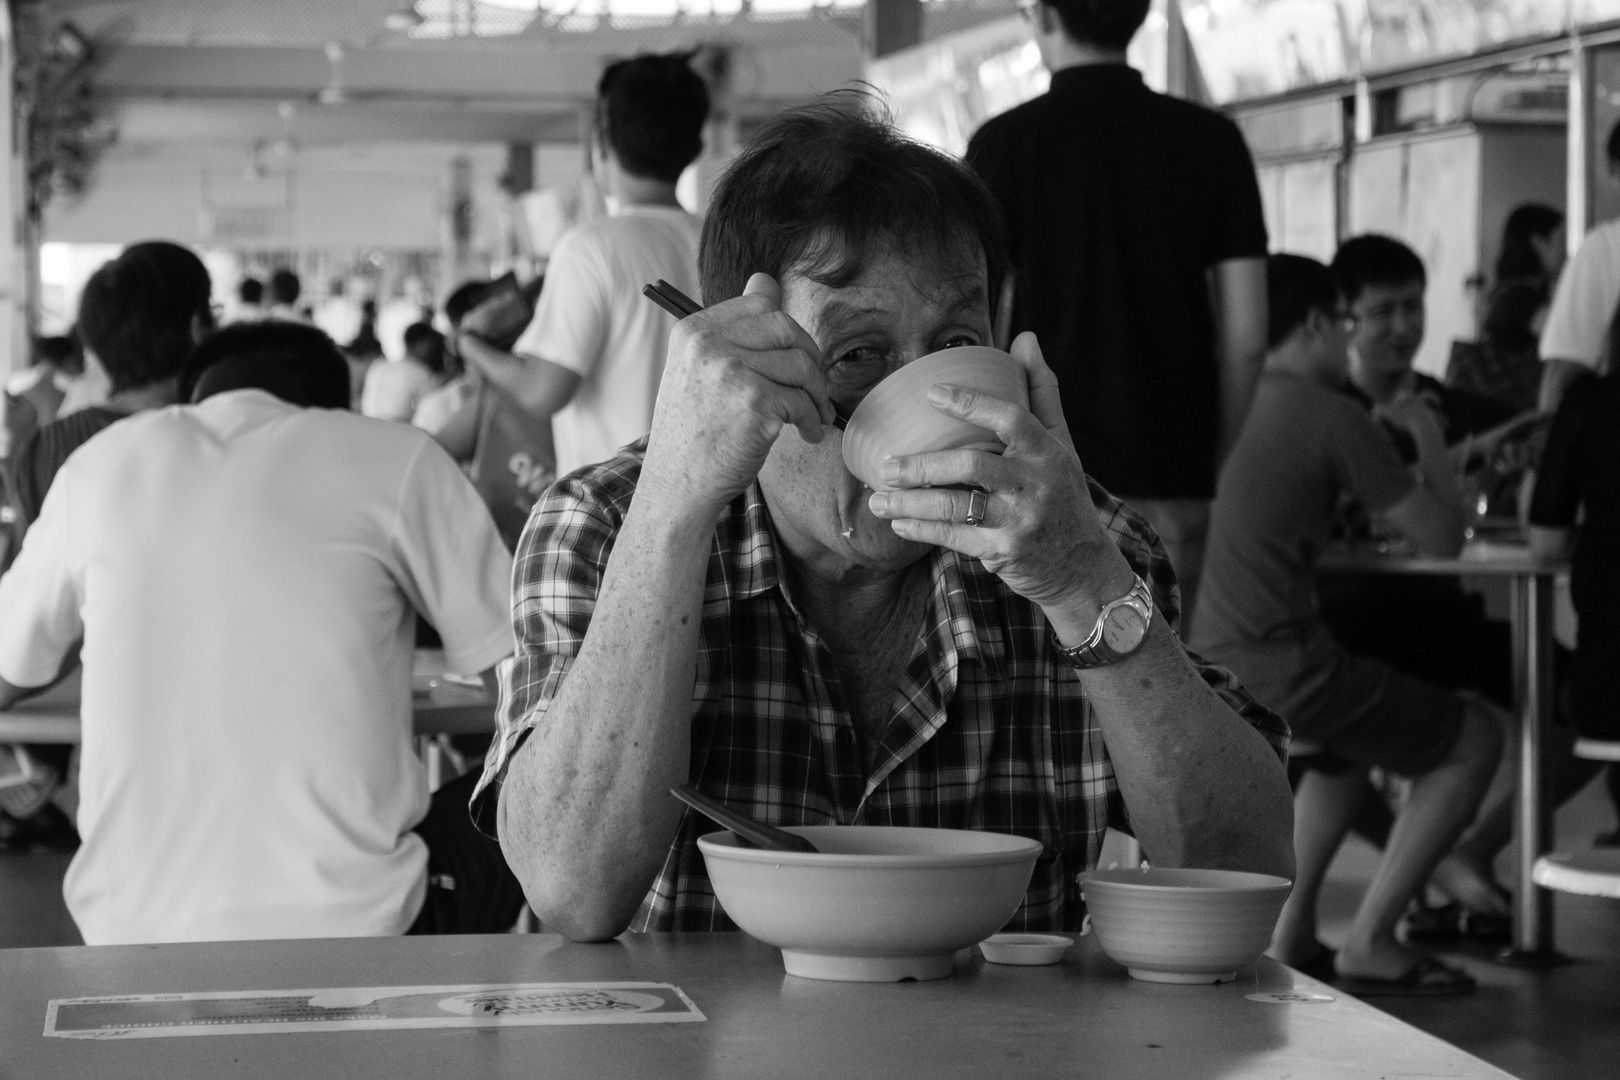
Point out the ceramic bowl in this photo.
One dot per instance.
(875, 903)
(1183, 926)
(895, 418)
(1025, 950)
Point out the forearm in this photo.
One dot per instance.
(1202, 786)
(585, 815)
(524, 381)
(1438, 474)
(1556, 375)
(1241, 364)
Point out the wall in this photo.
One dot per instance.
(1300, 204)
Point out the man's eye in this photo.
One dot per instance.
(956, 341)
(859, 366)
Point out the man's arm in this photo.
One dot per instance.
(585, 814)
(540, 386)
(1556, 375)
(1551, 545)
(1203, 786)
(1432, 516)
(1238, 302)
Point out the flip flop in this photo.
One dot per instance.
(1426, 978)
(1422, 923)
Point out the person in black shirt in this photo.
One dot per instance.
(1580, 475)
(1138, 248)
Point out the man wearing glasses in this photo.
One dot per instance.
(1138, 251)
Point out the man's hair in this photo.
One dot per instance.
(1109, 24)
(137, 312)
(463, 298)
(1518, 257)
(1375, 260)
(651, 109)
(822, 189)
(426, 344)
(250, 290)
(296, 363)
(284, 287)
(1295, 287)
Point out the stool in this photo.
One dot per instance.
(1598, 749)
(1588, 873)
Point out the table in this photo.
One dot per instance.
(438, 707)
(1081, 1018)
(1531, 616)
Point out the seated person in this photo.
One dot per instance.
(394, 388)
(1577, 483)
(1306, 446)
(245, 574)
(449, 413)
(139, 315)
(724, 604)
(1443, 635)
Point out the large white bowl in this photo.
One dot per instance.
(875, 903)
(896, 420)
(1183, 926)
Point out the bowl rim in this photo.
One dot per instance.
(1258, 883)
(1026, 848)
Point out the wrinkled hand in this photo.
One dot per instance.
(1040, 532)
(737, 373)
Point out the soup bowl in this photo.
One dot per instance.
(874, 903)
(1183, 926)
(895, 418)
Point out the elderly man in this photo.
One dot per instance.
(725, 604)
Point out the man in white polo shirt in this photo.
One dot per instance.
(593, 355)
(244, 574)
(1575, 338)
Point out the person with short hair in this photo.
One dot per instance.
(285, 288)
(1138, 245)
(394, 388)
(249, 301)
(1574, 339)
(1306, 446)
(592, 357)
(449, 412)
(724, 604)
(245, 573)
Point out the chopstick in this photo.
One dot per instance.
(680, 305)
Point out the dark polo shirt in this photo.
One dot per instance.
(1117, 201)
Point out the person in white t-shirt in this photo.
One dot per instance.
(394, 388)
(1575, 336)
(593, 355)
(244, 574)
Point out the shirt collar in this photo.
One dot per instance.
(964, 602)
(1091, 74)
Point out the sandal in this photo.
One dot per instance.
(1427, 924)
(1426, 978)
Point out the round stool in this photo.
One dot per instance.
(1598, 749)
(1589, 873)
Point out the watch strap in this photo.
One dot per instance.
(1095, 651)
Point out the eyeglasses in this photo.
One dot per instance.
(1387, 311)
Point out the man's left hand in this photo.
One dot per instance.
(1039, 532)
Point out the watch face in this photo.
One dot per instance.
(1123, 629)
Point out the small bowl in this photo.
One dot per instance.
(875, 903)
(1025, 950)
(1183, 926)
(895, 418)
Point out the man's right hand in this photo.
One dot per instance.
(737, 373)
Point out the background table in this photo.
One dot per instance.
(1081, 1018)
(1531, 616)
(438, 707)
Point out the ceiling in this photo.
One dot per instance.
(331, 72)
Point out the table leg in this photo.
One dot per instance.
(1534, 691)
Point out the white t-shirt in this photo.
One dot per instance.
(243, 574)
(593, 320)
(1584, 303)
(394, 388)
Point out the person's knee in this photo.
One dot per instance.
(1481, 740)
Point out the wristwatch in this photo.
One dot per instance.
(1121, 628)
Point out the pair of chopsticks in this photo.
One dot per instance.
(680, 305)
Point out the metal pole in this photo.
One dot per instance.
(1533, 687)
(1577, 194)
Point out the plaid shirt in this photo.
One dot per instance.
(989, 732)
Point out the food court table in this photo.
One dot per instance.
(1531, 616)
(1081, 1018)
(440, 705)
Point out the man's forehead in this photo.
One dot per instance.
(890, 286)
(1381, 292)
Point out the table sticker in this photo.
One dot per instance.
(367, 1008)
(1290, 997)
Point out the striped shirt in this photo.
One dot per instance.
(989, 731)
(34, 465)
